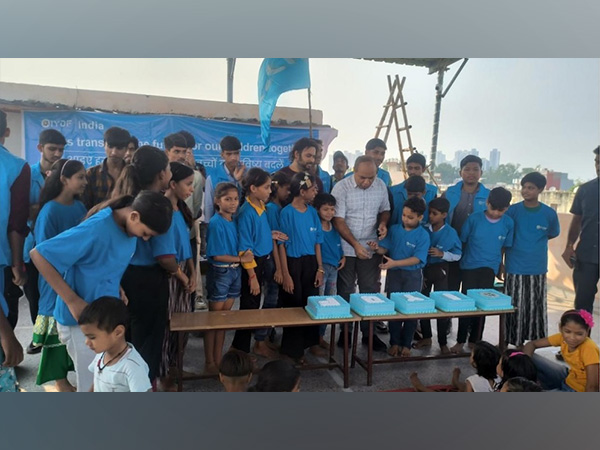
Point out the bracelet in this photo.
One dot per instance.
(320, 270)
(176, 272)
(252, 277)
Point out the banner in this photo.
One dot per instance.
(84, 133)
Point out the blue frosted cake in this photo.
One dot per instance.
(412, 303)
(371, 305)
(328, 307)
(452, 301)
(490, 299)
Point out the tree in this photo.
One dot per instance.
(505, 173)
(447, 173)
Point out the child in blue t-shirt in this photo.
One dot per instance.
(526, 262)
(331, 251)
(60, 209)
(407, 246)
(224, 276)
(445, 248)
(87, 262)
(301, 262)
(485, 235)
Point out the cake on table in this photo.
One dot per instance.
(328, 307)
(490, 299)
(453, 301)
(371, 305)
(412, 303)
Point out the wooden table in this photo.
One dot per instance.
(254, 319)
(368, 364)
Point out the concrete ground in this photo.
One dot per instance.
(385, 376)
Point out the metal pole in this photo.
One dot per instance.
(310, 133)
(230, 70)
(439, 88)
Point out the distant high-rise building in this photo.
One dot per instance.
(485, 164)
(474, 151)
(494, 158)
(440, 158)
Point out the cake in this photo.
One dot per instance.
(371, 305)
(490, 299)
(452, 301)
(412, 303)
(328, 307)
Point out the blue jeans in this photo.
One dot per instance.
(551, 375)
(329, 287)
(403, 331)
(270, 296)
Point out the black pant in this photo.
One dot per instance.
(435, 276)
(147, 288)
(480, 278)
(303, 271)
(242, 338)
(585, 279)
(368, 274)
(13, 293)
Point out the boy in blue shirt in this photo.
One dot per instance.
(331, 251)
(407, 246)
(527, 262)
(445, 247)
(485, 234)
(414, 186)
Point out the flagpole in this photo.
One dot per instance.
(309, 115)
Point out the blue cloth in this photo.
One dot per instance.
(254, 232)
(181, 237)
(52, 220)
(399, 195)
(221, 238)
(452, 194)
(331, 249)
(37, 183)
(533, 228)
(382, 174)
(445, 239)
(273, 212)
(276, 76)
(91, 257)
(3, 304)
(303, 229)
(215, 176)
(402, 244)
(484, 241)
(326, 179)
(146, 252)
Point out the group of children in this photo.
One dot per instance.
(270, 240)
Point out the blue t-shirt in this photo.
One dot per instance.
(331, 249)
(181, 237)
(399, 195)
(445, 239)
(402, 244)
(484, 241)
(37, 183)
(273, 211)
(326, 179)
(303, 229)
(254, 232)
(91, 257)
(221, 238)
(533, 227)
(146, 252)
(53, 219)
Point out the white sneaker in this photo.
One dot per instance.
(200, 305)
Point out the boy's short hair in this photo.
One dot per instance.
(175, 140)
(471, 159)
(230, 144)
(191, 142)
(499, 198)
(3, 123)
(106, 313)
(374, 143)
(417, 158)
(535, 178)
(323, 199)
(117, 137)
(440, 204)
(339, 154)
(415, 204)
(235, 364)
(597, 150)
(51, 136)
(415, 183)
(135, 141)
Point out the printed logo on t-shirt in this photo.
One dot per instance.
(541, 227)
(481, 202)
(501, 238)
(410, 244)
(312, 229)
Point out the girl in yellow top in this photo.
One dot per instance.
(578, 350)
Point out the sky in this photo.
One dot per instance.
(535, 111)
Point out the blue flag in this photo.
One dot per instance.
(276, 76)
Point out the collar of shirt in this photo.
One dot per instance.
(260, 208)
(104, 167)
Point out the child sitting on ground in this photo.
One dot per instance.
(520, 384)
(484, 359)
(235, 371)
(117, 367)
(277, 376)
(515, 364)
